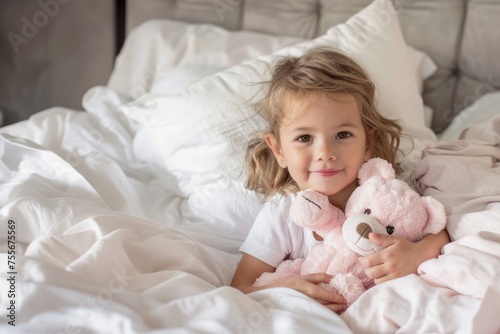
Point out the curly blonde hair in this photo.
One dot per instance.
(319, 70)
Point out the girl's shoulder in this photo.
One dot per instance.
(281, 200)
(276, 216)
(279, 205)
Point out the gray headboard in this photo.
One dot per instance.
(461, 36)
(56, 62)
(52, 52)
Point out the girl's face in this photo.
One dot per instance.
(323, 145)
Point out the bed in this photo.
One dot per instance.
(127, 217)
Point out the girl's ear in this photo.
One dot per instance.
(275, 146)
(370, 138)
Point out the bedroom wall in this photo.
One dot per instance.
(51, 52)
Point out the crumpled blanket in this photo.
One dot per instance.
(464, 175)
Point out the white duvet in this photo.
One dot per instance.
(107, 243)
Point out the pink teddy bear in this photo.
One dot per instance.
(382, 204)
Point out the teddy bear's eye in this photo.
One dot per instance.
(390, 229)
(368, 211)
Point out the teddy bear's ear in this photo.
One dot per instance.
(376, 167)
(436, 215)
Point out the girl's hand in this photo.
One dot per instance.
(308, 285)
(250, 268)
(400, 256)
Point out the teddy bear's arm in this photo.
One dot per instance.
(346, 261)
(312, 209)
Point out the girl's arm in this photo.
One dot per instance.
(400, 256)
(250, 268)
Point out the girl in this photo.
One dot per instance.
(323, 125)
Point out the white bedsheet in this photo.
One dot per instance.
(106, 243)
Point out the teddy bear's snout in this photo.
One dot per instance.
(363, 230)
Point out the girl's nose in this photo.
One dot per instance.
(325, 152)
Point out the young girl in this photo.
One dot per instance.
(323, 125)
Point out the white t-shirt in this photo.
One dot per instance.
(274, 236)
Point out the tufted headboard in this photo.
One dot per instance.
(461, 36)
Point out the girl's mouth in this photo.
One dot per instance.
(326, 172)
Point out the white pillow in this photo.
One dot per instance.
(375, 40)
(424, 65)
(201, 134)
(176, 79)
(154, 48)
(166, 56)
(425, 68)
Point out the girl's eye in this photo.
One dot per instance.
(304, 138)
(343, 135)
